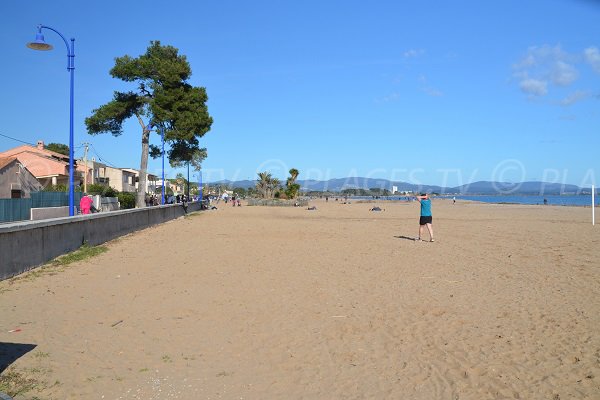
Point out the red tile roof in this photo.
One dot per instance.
(6, 160)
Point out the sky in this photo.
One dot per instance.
(438, 92)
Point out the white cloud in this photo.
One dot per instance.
(563, 74)
(534, 87)
(412, 53)
(592, 56)
(433, 92)
(544, 65)
(394, 96)
(427, 88)
(575, 97)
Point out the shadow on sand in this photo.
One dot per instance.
(412, 239)
(10, 352)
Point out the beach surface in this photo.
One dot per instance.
(336, 303)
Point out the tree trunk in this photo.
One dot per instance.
(141, 191)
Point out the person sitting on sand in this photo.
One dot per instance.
(426, 218)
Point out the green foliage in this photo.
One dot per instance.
(162, 94)
(379, 192)
(292, 188)
(83, 253)
(110, 116)
(266, 185)
(127, 200)
(365, 192)
(102, 190)
(355, 192)
(238, 191)
(168, 191)
(58, 148)
(56, 188)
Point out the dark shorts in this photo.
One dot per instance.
(425, 220)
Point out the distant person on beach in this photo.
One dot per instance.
(454, 200)
(426, 218)
(184, 203)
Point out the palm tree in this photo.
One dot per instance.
(263, 183)
(273, 185)
(292, 187)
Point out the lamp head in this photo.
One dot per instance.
(39, 43)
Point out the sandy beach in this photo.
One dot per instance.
(337, 303)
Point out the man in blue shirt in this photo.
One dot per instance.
(426, 218)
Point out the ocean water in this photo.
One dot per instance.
(553, 200)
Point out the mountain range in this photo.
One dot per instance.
(480, 187)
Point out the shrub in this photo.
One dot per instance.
(56, 188)
(127, 200)
(102, 190)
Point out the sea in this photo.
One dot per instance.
(552, 200)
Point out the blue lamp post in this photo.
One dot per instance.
(200, 185)
(162, 135)
(40, 44)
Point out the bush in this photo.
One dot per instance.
(56, 188)
(168, 191)
(127, 200)
(102, 190)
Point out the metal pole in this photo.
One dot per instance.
(188, 183)
(71, 134)
(593, 206)
(162, 135)
(86, 169)
(41, 45)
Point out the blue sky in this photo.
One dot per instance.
(442, 93)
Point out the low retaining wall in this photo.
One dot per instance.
(38, 214)
(28, 244)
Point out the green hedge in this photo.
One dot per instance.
(127, 200)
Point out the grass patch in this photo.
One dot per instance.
(17, 383)
(83, 253)
(41, 354)
(58, 264)
(192, 214)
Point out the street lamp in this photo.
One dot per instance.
(162, 135)
(40, 44)
(200, 186)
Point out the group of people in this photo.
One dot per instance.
(151, 200)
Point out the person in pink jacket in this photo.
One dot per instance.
(85, 204)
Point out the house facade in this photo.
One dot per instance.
(15, 180)
(95, 172)
(52, 168)
(49, 167)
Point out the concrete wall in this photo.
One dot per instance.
(49, 212)
(28, 244)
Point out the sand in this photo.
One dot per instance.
(337, 303)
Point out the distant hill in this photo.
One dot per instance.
(480, 187)
(485, 187)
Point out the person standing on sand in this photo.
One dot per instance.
(426, 218)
